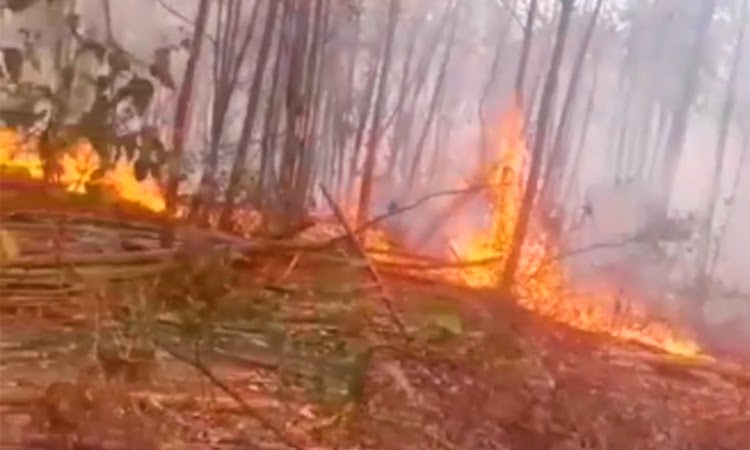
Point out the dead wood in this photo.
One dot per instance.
(385, 296)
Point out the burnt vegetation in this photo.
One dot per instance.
(374, 224)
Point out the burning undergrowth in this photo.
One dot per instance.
(477, 233)
(475, 244)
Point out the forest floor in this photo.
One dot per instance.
(298, 346)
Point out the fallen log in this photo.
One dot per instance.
(89, 259)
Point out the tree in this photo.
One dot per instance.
(689, 90)
(545, 113)
(702, 265)
(181, 118)
(227, 61)
(374, 139)
(251, 109)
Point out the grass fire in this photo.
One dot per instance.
(374, 225)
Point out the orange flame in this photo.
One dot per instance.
(540, 280)
(78, 165)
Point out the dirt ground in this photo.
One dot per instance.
(303, 351)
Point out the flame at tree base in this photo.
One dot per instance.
(540, 283)
(79, 169)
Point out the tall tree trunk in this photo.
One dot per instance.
(489, 85)
(434, 103)
(528, 34)
(181, 120)
(701, 279)
(344, 107)
(372, 144)
(583, 136)
(681, 113)
(405, 122)
(559, 153)
(268, 176)
(545, 111)
(393, 157)
(226, 67)
(313, 92)
(251, 109)
(364, 116)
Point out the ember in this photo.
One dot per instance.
(77, 169)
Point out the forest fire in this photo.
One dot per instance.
(541, 285)
(76, 170)
(540, 277)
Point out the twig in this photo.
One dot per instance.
(291, 266)
(246, 408)
(385, 295)
(171, 9)
(89, 259)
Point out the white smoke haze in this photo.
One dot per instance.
(636, 61)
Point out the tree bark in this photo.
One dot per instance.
(374, 139)
(181, 120)
(251, 109)
(434, 103)
(226, 66)
(528, 34)
(681, 113)
(701, 279)
(527, 203)
(559, 155)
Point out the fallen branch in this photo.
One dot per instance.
(385, 295)
(246, 407)
(76, 259)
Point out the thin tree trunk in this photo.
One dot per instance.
(528, 34)
(364, 117)
(405, 123)
(251, 109)
(681, 114)
(435, 102)
(372, 144)
(558, 158)
(314, 92)
(344, 107)
(524, 215)
(585, 125)
(181, 120)
(226, 67)
(267, 177)
(393, 157)
(701, 281)
(491, 81)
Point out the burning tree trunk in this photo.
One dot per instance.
(226, 67)
(559, 157)
(181, 119)
(681, 113)
(374, 139)
(701, 279)
(545, 111)
(251, 109)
